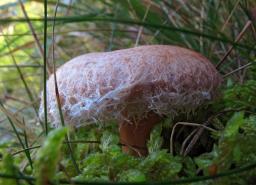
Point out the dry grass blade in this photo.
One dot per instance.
(30, 95)
(185, 142)
(34, 34)
(11, 119)
(12, 51)
(230, 15)
(195, 138)
(253, 32)
(21, 109)
(226, 22)
(69, 7)
(238, 69)
(18, 122)
(240, 35)
(141, 28)
(186, 124)
(8, 97)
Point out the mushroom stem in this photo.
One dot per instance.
(134, 136)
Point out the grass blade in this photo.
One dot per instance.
(45, 67)
(90, 18)
(18, 136)
(58, 95)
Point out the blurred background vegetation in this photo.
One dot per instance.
(223, 31)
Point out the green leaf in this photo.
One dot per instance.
(233, 125)
(48, 156)
(132, 175)
(109, 143)
(160, 166)
(190, 167)
(207, 159)
(237, 153)
(155, 142)
(95, 168)
(9, 169)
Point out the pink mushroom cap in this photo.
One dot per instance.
(129, 84)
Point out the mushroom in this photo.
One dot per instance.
(137, 87)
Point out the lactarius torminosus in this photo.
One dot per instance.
(137, 87)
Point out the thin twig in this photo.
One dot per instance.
(237, 170)
(77, 142)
